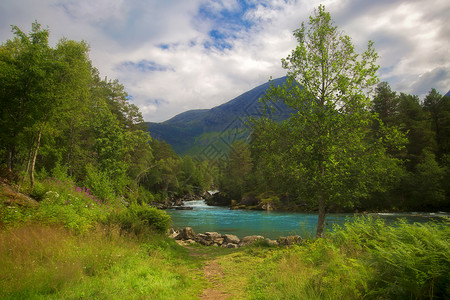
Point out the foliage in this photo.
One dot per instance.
(74, 207)
(60, 116)
(325, 149)
(52, 263)
(365, 259)
(236, 170)
(141, 220)
(410, 261)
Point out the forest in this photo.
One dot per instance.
(61, 120)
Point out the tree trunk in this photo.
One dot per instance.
(321, 219)
(33, 161)
(11, 153)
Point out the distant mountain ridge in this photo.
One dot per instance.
(203, 131)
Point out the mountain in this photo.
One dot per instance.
(210, 132)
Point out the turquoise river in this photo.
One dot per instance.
(272, 224)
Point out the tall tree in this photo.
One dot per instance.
(45, 80)
(439, 110)
(238, 167)
(325, 147)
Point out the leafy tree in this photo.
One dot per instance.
(414, 123)
(45, 80)
(385, 103)
(325, 148)
(439, 110)
(237, 168)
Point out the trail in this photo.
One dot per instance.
(213, 274)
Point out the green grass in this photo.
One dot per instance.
(49, 262)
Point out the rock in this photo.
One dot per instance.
(185, 243)
(172, 233)
(267, 206)
(218, 199)
(186, 234)
(184, 208)
(230, 239)
(199, 239)
(271, 242)
(248, 240)
(201, 235)
(231, 246)
(290, 240)
(213, 235)
(249, 200)
(218, 241)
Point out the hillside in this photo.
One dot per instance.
(210, 131)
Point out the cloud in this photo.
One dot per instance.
(437, 78)
(201, 53)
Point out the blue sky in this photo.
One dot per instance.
(176, 55)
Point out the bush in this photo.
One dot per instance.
(409, 261)
(141, 220)
(39, 190)
(100, 183)
(74, 207)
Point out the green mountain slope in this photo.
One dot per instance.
(208, 133)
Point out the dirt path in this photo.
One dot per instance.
(213, 273)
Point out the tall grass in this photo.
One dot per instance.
(364, 259)
(50, 262)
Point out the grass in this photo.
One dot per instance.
(50, 262)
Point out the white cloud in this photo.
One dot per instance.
(156, 48)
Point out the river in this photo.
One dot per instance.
(273, 224)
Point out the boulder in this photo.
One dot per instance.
(230, 239)
(218, 199)
(213, 235)
(172, 233)
(186, 234)
(231, 246)
(248, 240)
(199, 238)
(271, 242)
(185, 242)
(290, 240)
(249, 200)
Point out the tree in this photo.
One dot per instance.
(415, 124)
(326, 148)
(238, 167)
(39, 81)
(439, 110)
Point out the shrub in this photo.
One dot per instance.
(39, 190)
(409, 260)
(99, 182)
(74, 207)
(141, 219)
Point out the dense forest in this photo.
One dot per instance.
(60, 119)
(419, 181)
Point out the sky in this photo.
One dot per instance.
(177, 55)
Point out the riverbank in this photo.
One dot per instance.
(76, 254)
(374, 260)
